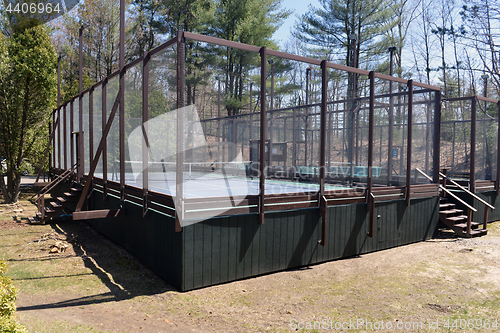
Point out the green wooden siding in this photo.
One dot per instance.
(229, 248)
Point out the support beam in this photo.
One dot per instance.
(472, 183)
(497, 182)
(322, 159)
(71, 131)
(370, 200)
(179, 172)
(122, 100)
(409, 143)
(145, 141)
(262, 143)
(98, 214)
(91, 125)
(437, 137)
(104, 147)
(80, 137)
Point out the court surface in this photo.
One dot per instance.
(200, 185)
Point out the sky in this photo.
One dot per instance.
(299, 7)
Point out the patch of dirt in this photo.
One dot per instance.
(97, 286)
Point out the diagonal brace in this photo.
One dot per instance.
(98, 152)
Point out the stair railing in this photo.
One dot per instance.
(40, 195)
(486, 204)
(470, 208)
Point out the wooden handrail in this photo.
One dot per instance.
(56, 181)
(467, 191)
(449, 192)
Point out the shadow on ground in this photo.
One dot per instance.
(119, 271)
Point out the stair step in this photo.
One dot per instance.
(477, 232)
(49, 210)
(457, 218)
(451, 211)
(473, 225)
(446, 205)
(35, 220)
(55, 204)
(75, 189)
(62, 200)
(69, 194)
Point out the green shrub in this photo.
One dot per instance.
(8, 294)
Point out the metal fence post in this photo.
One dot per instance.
(122, 100)
(437, 137)
(472, 184)
(262, 143)
(91, 125)
(371, 119)
(409, 141)
(498, 153)
(181, 81)
(145, 141)
(322, 163)
(104, 150)
(71, 129)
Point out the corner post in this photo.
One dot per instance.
(179, 174)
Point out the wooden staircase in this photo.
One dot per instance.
(455, 219)
(64, 204)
